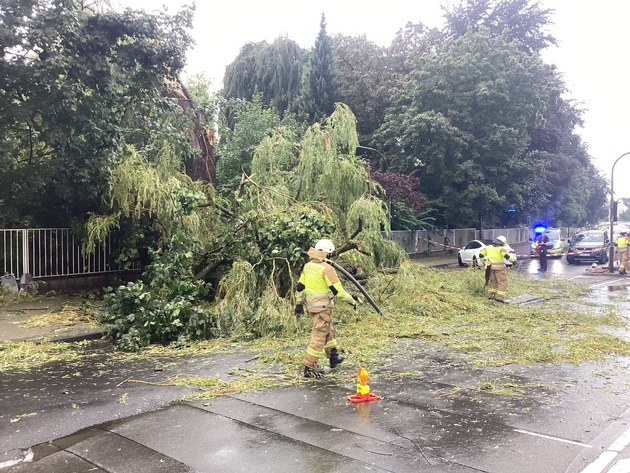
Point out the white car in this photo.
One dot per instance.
(469, 255)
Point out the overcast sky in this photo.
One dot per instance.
(592, 52)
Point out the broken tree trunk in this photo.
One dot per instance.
(201, 137)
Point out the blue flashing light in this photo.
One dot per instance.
(511, 211)
(540, 229)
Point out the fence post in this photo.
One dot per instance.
(25, 255)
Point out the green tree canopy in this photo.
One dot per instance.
(464, 126)
(76, 85)
(524, 21)
(252, 122)
(364, 80)
(273, 70)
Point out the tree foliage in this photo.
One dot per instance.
(252, 122)
(483, 125)
(248, 247)
(319, 89)
(470, 109)
(77, 83)
(364, 80)
(272, 70)
(522, 21)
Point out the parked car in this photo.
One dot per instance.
(589, 246)
(469, 255)
(555, 245)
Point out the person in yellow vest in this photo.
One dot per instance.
(497, 255)
(318, 287)
(621, 248)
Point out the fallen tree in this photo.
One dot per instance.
(222, 266)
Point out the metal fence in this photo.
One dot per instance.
(44, 252)
(513, 235)
(428, 242)
(450, 240)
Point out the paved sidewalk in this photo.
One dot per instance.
(432, 418)
(56, 317)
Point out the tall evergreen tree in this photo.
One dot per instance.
(319, 94)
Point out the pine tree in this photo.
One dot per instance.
(319, 95)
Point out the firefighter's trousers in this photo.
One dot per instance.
(623, 258)
(323, 337)
(497, 286)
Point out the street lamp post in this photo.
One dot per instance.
(611, 250)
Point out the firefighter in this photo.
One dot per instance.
(621, 248)
(497, 255)
(318, 287)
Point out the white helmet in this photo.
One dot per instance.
(325, 245)
(502, 239)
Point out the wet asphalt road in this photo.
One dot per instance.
(80, 418)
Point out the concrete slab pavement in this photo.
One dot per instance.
(432, 417)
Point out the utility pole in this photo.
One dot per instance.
(611, 250)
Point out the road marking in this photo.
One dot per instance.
(609, 455)
(607, 283)
(552, 438)
(622, 466)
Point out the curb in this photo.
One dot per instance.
(80, 337)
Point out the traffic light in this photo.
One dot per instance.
(613, 211)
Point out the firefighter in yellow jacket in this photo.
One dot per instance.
(497, 255)
(621, 248)
(318, 287)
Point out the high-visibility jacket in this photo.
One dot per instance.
(319, 284)
(496, 256)
(621, 242)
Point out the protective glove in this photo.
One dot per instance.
(507, 257)
(299, 310)
(357, 301)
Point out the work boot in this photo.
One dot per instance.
(313, 372)
(335, 358)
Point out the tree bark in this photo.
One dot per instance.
(204, 165)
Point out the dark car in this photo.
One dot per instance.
(589, 246)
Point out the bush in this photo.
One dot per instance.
(164, 309)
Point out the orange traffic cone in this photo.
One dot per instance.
(363, 390)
